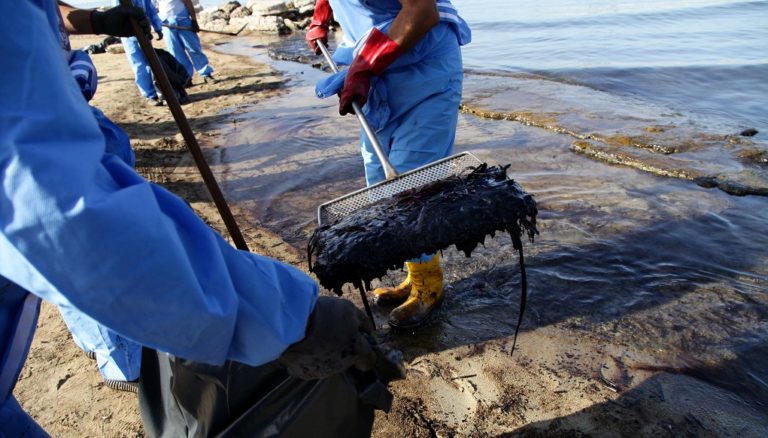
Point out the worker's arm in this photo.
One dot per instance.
(76, 21)
(83, 230)
(318, 27)
(113, 21)
(380, 50)
(154, 19)
(415, 19)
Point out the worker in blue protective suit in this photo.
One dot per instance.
(405, 71)
(84, 73)
(139, 64)
(118, 358)
(81, 229)
(181, 22)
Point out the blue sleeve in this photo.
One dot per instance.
(116, 141)
(80, 228)
(151, 12)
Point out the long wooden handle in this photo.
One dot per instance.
(186, 132)
(172, 26)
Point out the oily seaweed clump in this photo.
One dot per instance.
(459, 211)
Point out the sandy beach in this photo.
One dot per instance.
(569, 376)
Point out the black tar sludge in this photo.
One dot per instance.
(459, 211)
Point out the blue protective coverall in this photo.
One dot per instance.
(139, 64)
(413, 106)
(83, 230)
(117, 358)
(184, 45)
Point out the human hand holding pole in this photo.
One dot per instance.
(318, 27)
(114, 21)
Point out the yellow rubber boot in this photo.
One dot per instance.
(393, 295)
(426, 294)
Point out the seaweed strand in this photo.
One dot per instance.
(523, 290)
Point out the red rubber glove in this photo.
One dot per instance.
(318, 27)
(378, 52)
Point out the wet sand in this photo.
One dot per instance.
(647, 306)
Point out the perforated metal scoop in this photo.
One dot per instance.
(455, 165)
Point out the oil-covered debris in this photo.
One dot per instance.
(459, 211)
(749, 132)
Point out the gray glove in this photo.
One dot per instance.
(115, 21)
(338, 337)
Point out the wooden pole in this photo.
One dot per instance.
(171, 26)
(186, 132)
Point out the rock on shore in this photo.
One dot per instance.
(265, 16)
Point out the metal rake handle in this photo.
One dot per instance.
(389, 171)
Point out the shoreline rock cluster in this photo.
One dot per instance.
(265, 16)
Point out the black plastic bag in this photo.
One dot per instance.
(176, 73)
(180, 398)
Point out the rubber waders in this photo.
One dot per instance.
(422, 292)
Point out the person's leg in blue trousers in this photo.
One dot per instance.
(185, 45)
(140, 66)
(118, 358)
(192, 46)
(416, 140)
(175, 45)
(423, 100)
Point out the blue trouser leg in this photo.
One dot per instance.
(118, 358)
(140, 66)
(185, 45)
(423, 102)
(421, 136)
(195, 51)
(175, 45)
(116, 140)
(415, 141)
(14, 422)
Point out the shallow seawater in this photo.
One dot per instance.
(695, 56)
(625, 257)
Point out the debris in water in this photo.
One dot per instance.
(749, 132)
(459, 211)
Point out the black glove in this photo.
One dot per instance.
(116, 21)
(339, 336)
(159, 35)
(195, 26)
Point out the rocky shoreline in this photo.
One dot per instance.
(265, 16)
